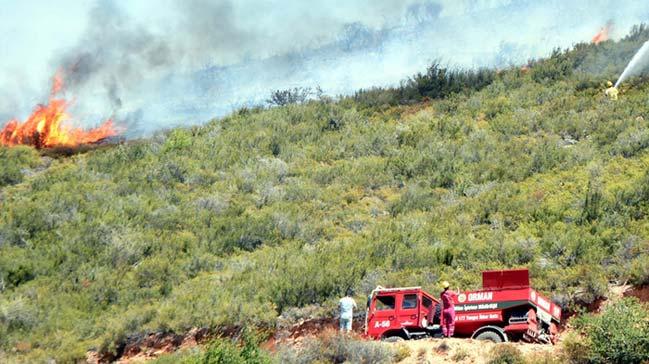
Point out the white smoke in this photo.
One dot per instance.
(196, 59)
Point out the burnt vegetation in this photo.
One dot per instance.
(271, 210)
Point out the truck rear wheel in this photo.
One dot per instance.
(490, 335)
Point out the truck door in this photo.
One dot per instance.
(427, 309)
(384, 315)
(409, 310)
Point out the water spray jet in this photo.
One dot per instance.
(638, 63)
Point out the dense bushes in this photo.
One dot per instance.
(337, 349)
(557, 67)
(438, 82)
(244, 350)
(620, 334)
(505, 354)
(14, 162)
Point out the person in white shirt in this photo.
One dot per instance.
(346, 306)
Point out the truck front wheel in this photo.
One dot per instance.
(489, 335)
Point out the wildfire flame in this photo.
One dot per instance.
(603, 34)
(46, 127)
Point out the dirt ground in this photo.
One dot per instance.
(463, 350)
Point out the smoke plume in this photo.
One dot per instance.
(190, 60)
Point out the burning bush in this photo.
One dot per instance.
(46, 127)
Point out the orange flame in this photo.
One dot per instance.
(45, 127)
(603, 34)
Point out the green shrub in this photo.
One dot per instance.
(177, 140)
(460, 354)
(505, 354)
(439, 82)
(620, 334)
(632, 141)
(557, 67)
(17, 314)
(639, 272)
(544, 358)
(14, 160)
(436, 83)
(401, 352)
(576, 349)
(337, 349)
(225, 351)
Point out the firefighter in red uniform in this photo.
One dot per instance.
(448, 310)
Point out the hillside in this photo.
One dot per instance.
(271, 210)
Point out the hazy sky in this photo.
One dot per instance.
(33, 31)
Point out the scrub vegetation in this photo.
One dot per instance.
(620, 334)
(271, 210)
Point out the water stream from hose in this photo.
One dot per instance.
(638, 63)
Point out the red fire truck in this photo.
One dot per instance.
(506, 308)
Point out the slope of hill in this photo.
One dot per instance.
(269, 210)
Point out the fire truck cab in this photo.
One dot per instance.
(402, 313)
(506, 308)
